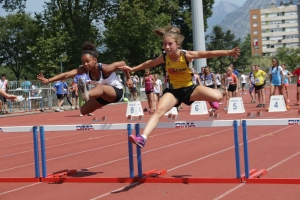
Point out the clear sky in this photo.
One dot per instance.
(236, 2)
(37, 5)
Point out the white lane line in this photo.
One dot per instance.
(20, 188)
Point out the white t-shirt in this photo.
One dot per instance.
(244, 78)
(3, 84)
(218, 79)
(156, 89)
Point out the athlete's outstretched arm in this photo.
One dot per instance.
(144, 65)
(69, 74)
(190, 55)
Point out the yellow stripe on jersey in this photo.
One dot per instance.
(180, 75)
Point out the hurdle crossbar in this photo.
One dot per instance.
(123, 126)
(272, 122)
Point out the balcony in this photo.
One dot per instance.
(286, 25)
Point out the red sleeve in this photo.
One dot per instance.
(297, 72)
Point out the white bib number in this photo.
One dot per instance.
(230, 80)
(209, 82)
(257, 80)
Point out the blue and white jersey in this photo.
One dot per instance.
(58, 86)
(111, 80)
(251, 77)
(276, 75)
(84, 77)
(209, 79)
(286, 76)
(65, 88)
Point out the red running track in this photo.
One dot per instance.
(205, 152)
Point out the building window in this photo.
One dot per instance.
(255, 24)
(255, 32)
(254, 17)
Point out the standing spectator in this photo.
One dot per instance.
(209, 81)
(157, 90)
(66, 93)
(58, 88)
(133, 90)
(234, 70)
(276, 79)
(259, 79)
(297, 74)
(34, 93)
(244, 81)
(148, 81)
(232, 82)
(218, 80)
(73, 88)
(4, 87)
(86, 79)
(286, 76)
(252, 85)
(25, 88)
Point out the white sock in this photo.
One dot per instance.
(144, 136)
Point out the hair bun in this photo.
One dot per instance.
(88, 46)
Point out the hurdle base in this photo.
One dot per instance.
(62, 173)
(254, 173)
(154, 173)
(103, 119)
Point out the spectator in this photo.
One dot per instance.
(25, 88)
(133, 91)
(66, 93)
(297, 74)
(58, 88)
(34, 93)
(157, 90)
(4, 87)
(244, 81)
(73, 88)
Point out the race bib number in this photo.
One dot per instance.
(230, 80)
(208, 82)
(257, 80)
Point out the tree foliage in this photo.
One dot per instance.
(122, 29)
(65, 26)
(221, 40)
(17, 32)
(289, 56)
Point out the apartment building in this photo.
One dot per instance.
(274, 27)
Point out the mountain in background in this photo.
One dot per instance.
(219, 13)
(239, 21)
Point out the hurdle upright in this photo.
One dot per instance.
(253, 175)
(34, 131)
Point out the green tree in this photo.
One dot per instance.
(289, 56)
(129, 33)
(65, 26)
(221, 40)
(17, 33)
(244, 60)
(12, 5)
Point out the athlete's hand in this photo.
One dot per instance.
(235, 52)
(42, 78)
(11, 97)
(126, 68)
